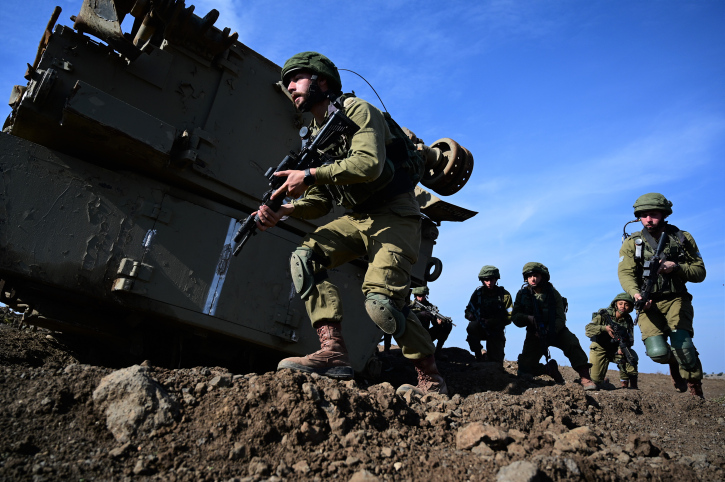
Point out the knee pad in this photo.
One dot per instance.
(658, 349)
(385, 314)
(303, 275)
(684, 350)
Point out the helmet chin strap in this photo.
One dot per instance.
(314, 95)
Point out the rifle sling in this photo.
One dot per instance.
(651, 240)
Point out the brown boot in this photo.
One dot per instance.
(586, 382)
(552, 369)
(330, 361)
(677, 380)
(696, 389)
(623, 383)
(429, 379)
(633, 383)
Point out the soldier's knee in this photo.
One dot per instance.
(684, 350)
(658, 349)
(385, 314)
(304, 274)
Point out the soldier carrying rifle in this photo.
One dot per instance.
(438, 326)
(372, 174)
(612, 334)
(654, 265)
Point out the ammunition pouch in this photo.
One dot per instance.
(657, 349)
(684, 350)
(385, 314)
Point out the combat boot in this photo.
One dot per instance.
(482, 355)
(429, 378)
(331, 360)
(586, 382)
(623, 383)
(677, 380)
(552, 369)
(696, 389)
(633, 383)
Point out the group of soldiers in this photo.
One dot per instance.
(371, 177)
(665, 314)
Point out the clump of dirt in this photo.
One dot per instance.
(56, 425)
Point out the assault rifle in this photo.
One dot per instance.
(650, 275)
(433, 310)
(622, 338)
(310, 156)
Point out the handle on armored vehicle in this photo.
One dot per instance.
(310, 156)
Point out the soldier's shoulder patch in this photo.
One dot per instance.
(621, 258)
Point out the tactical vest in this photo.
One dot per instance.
(490, 306)
(674, 250)
(544, 311)
(403, 168)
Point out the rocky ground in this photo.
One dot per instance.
(64, 419)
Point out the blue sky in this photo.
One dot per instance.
(572, 109)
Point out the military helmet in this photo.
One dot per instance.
(420, 290)
(622, 297)
(489, 271)
(536, 268)
(652, 201)
(316, 63)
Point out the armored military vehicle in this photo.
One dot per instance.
(125, 166)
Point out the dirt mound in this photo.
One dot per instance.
(55, 423)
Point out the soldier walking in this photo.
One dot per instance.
(668, 314)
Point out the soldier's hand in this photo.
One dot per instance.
(667, 267)
(269, 218)
(647, 305)
(609, 330)
(294, 186)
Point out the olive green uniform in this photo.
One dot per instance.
(495, 306)
(671, 314)
(604, 349)
(551, 310)
(385, 229)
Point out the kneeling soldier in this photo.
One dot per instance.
(489, 311)
(540, 308)
(611, 332)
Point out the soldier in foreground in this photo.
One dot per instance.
(488, 313)
(540, 308)
(438, 328)
(609, 329)
(664, 306)
(384, 225)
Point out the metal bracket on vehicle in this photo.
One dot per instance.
(129, 272)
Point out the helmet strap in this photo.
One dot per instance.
(314, 95)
